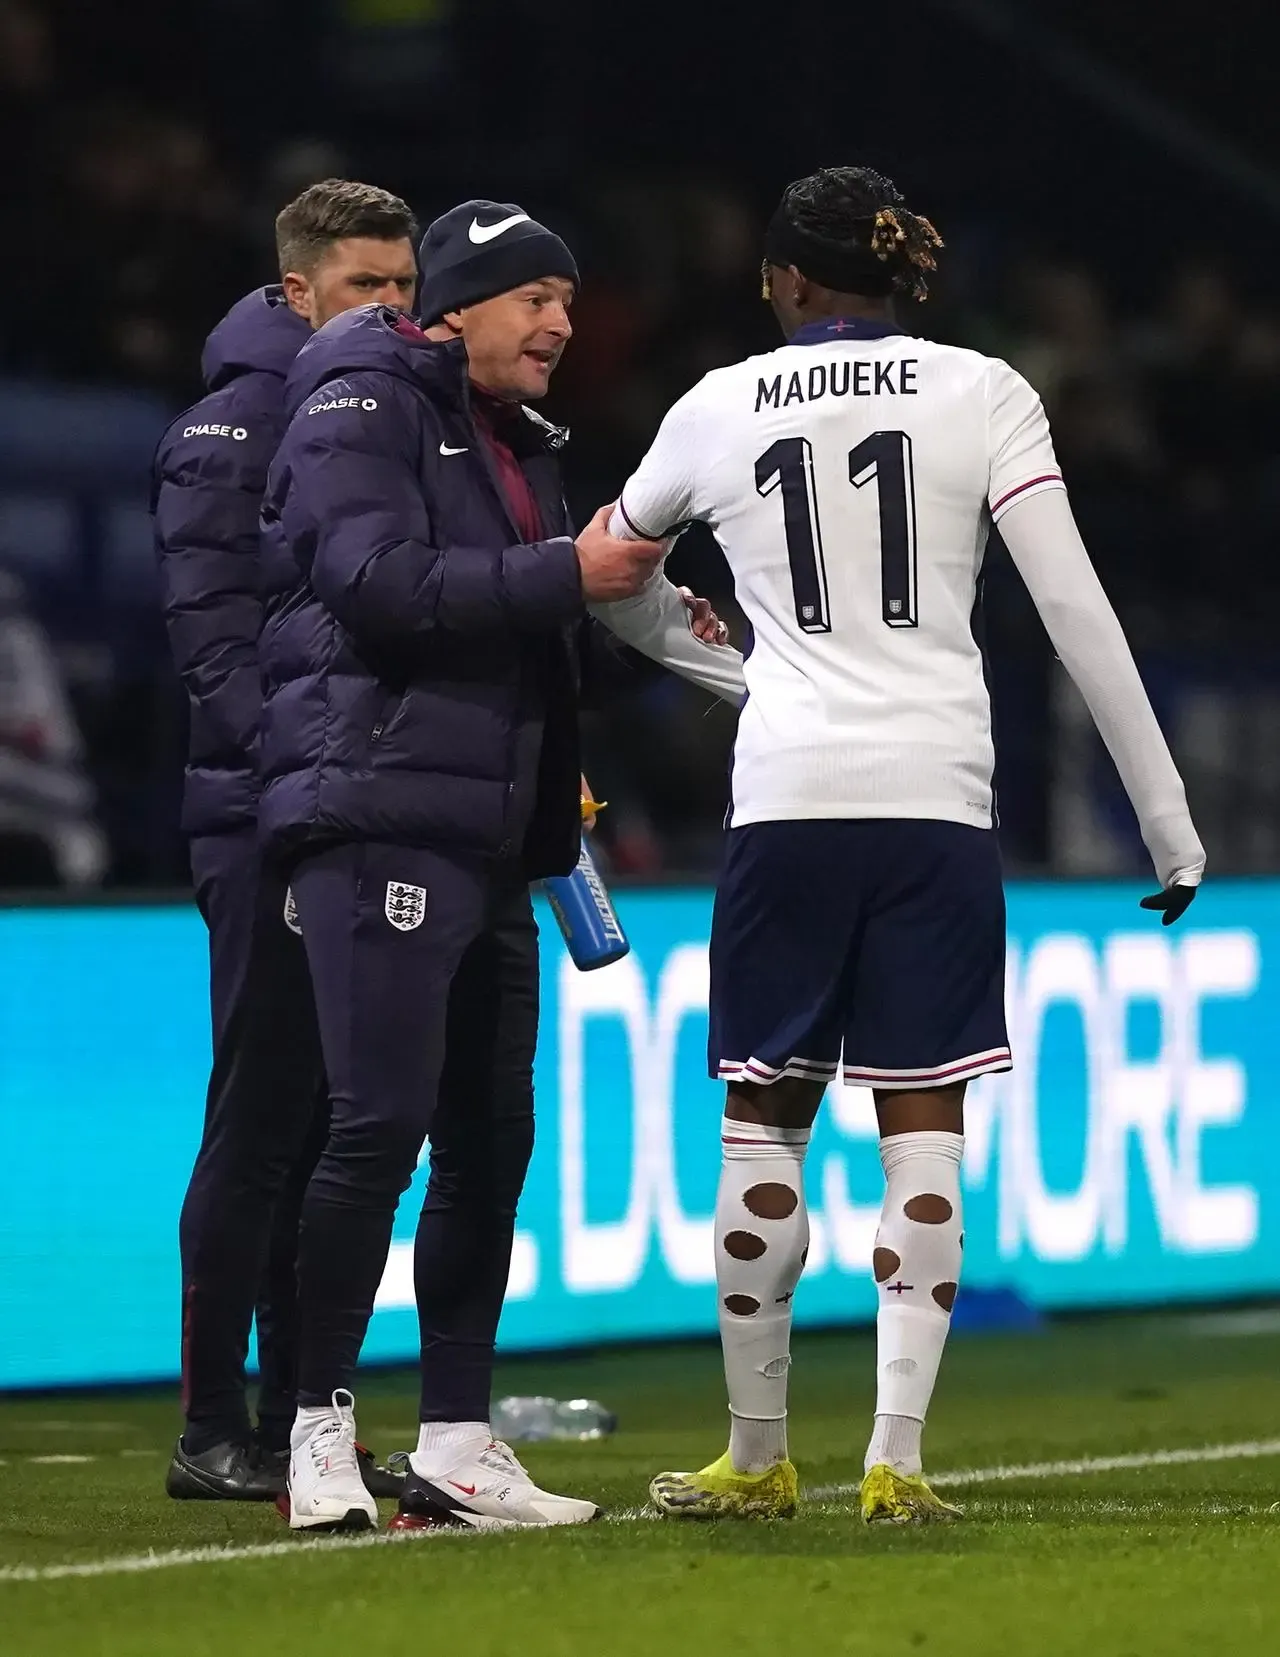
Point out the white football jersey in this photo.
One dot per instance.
(851, 478)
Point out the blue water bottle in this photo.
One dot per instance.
(584, 911)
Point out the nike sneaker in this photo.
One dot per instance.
(325, 1487)
(489, 1490)
(228, 1472)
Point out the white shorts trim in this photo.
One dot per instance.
(940, 1075)
(755, 1070)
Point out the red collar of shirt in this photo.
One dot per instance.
(495, 421)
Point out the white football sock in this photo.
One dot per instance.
(444, 1445)
(917, 1268)
(762, 1237)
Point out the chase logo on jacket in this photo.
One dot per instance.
(343, 402)
(237, 432)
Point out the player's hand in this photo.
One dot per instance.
(704, 623)
(613, 569)
(1174, 901)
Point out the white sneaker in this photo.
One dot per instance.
(326, 1490)
(488, 1490)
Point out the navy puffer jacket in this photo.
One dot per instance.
(209, 475)
(423, 667)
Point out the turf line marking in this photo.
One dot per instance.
(59, 1426)
(57, 1461)
(130, 1564)
(1250, 1450)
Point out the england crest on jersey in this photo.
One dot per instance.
(406, 905)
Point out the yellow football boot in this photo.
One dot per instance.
(890, 1498)
(721, 1492)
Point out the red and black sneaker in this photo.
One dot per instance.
(388, 1481)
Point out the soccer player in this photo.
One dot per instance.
(852, 478)
(340, 244)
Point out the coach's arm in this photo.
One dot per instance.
(357, 517)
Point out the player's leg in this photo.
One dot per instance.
(276, 1313)
(928, 1016)
(261, 1094)
(916, 1262)
(777, 957)
(384, 928)
(762, 1242)
(481, 1141)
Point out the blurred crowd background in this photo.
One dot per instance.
(1110, 198)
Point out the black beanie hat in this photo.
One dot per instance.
(483, 248)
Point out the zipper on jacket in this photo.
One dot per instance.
(390, 708)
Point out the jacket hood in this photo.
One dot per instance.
(259, 334)
(377, 337)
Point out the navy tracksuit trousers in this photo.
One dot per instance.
(265, 1123)
(424, 966)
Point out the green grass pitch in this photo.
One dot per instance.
(1157, 1558)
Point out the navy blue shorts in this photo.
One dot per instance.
(881, 938)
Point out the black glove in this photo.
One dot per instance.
(1175, 900)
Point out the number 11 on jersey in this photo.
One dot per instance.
(884, 456)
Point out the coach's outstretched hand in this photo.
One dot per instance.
(613, 568)
(1174, 901)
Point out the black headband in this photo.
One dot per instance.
(842, 269)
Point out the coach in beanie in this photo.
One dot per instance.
(483, 248)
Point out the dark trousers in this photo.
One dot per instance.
(265, 1122)
(425, 972)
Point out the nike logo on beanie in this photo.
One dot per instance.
(482, 233)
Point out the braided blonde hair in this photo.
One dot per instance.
(908, 234)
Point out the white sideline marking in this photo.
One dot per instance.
(1214, 1325)
(129, 1564)
(1251, 1450)
(55, 1426)
(57, 1461)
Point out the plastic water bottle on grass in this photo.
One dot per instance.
(528, 1420)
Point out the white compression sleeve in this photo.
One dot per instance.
(656, 623)
(1044, 543)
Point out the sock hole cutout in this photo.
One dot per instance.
(771, 1202)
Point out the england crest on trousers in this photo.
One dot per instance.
(291, 912)
(406, 905)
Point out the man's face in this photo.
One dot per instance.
(515, 340)
(362, 270)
